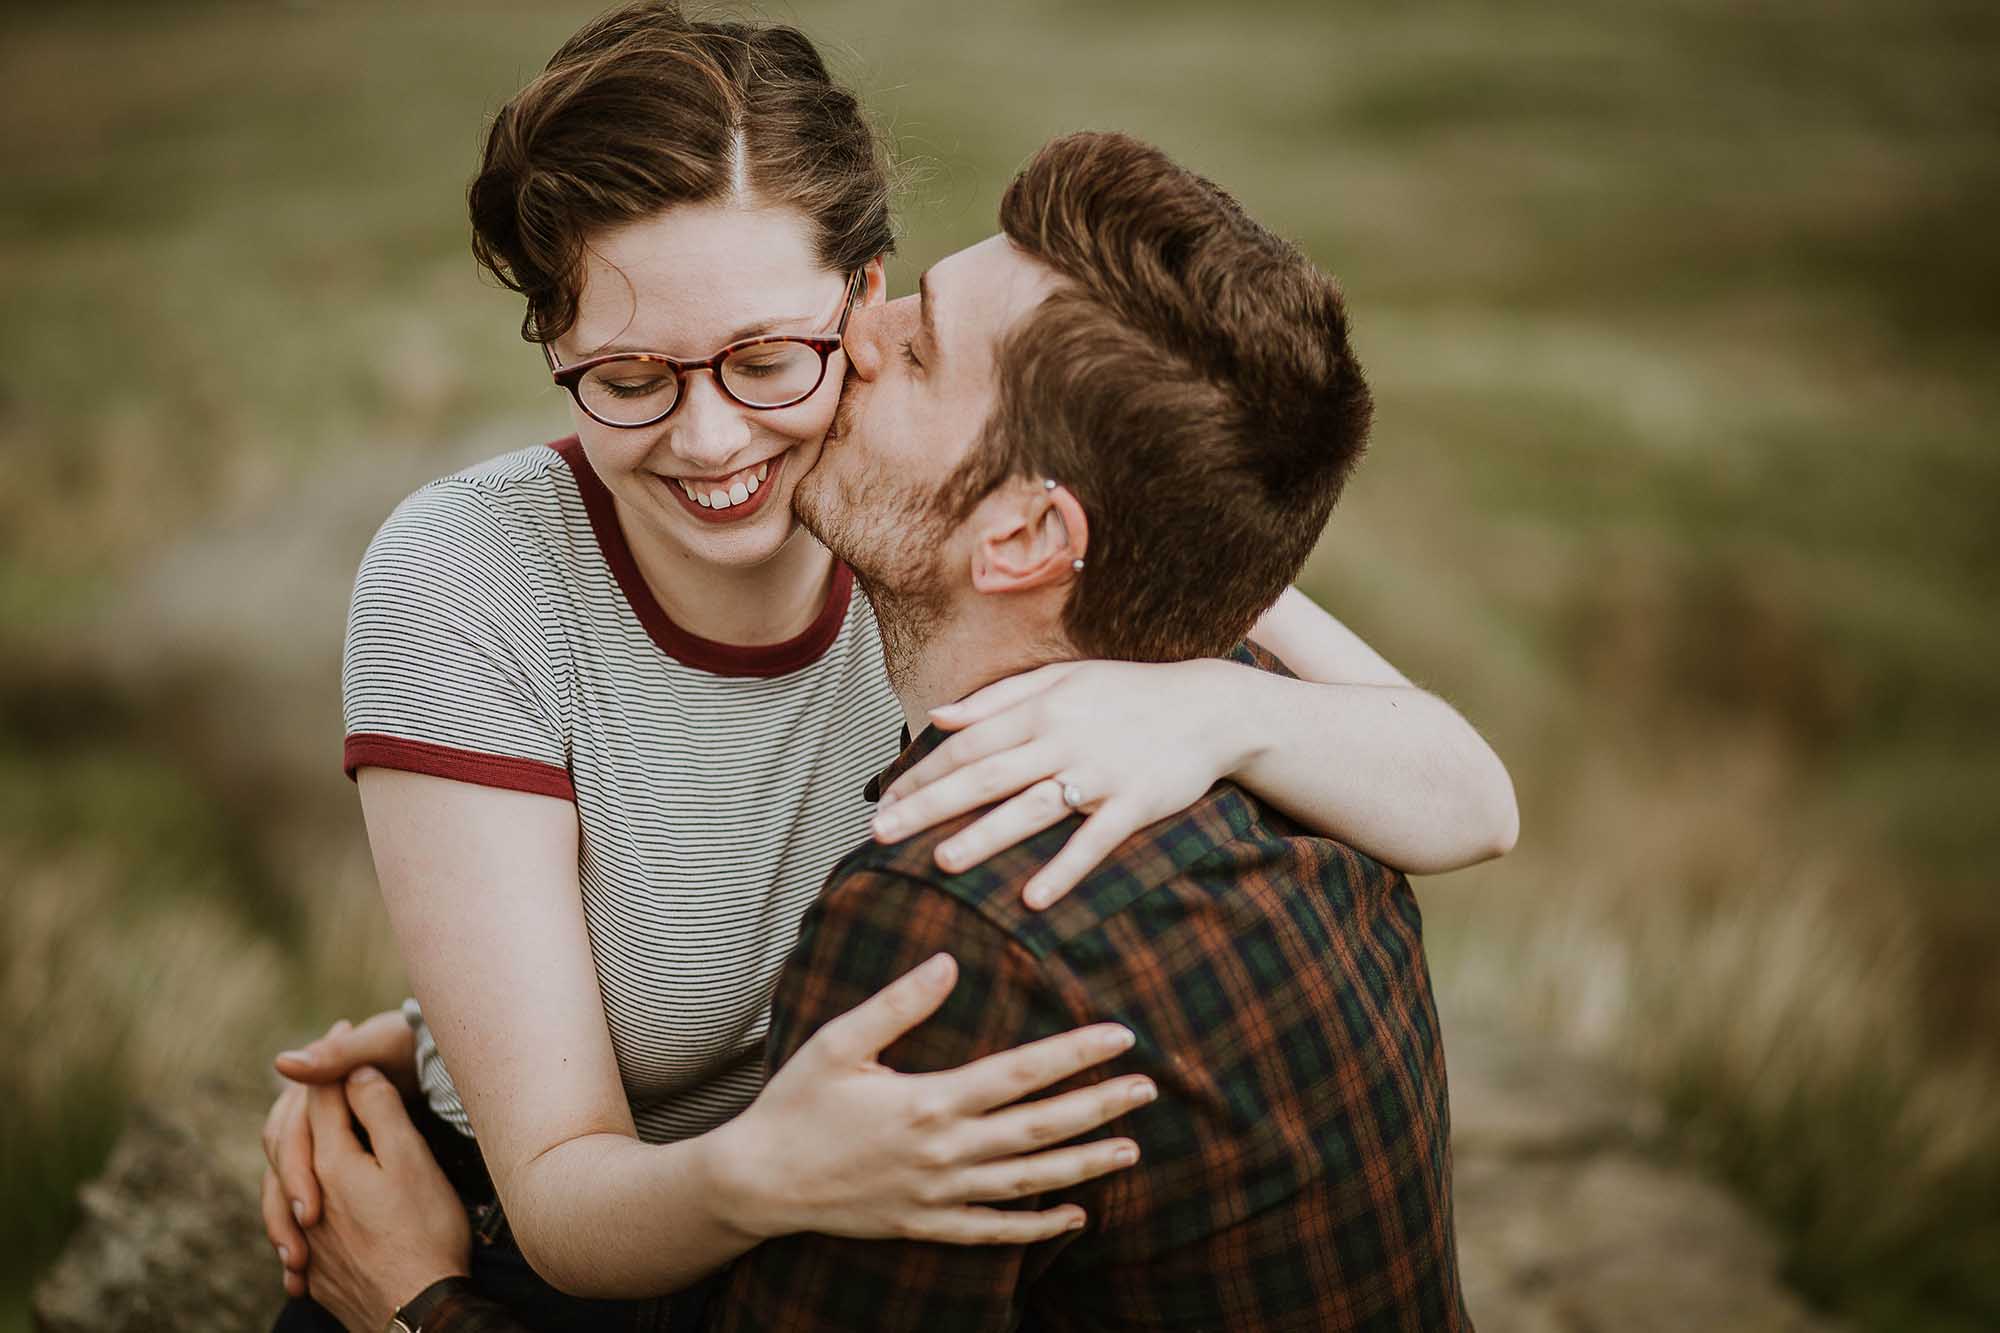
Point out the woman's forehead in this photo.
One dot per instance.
(695, 276)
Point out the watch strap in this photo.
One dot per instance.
(428, 1303)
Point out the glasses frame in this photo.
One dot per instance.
(826, 344)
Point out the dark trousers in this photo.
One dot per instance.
(500, 1273)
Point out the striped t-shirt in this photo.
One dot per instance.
(501, 634)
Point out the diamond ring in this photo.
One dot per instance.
(1072, 795)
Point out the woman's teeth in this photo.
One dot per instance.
(709, 495)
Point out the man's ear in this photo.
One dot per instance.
(1031, 535)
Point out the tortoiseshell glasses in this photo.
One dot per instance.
(633, 389)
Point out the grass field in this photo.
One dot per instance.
(1681, 318)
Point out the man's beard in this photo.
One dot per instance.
(893, 541)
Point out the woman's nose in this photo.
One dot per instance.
(708, 430)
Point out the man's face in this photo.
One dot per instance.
(921, 387)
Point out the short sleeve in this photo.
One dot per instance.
(448, 668)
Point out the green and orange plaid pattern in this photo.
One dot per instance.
(1294, 1171)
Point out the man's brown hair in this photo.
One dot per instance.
(1191, 384)
(644, 109)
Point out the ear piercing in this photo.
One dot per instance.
(1049, 484)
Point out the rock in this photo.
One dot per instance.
(1570, 1219)
(171, 1238)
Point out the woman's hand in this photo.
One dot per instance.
(838, 1143)
(391, 1224)
(1137, 741)
(291, 1195)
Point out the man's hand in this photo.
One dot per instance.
(390, 1223)
(291, 1195)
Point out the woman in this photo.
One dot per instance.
(610, 711)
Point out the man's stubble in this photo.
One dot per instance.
(892, 539)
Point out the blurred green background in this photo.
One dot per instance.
(1682, 318)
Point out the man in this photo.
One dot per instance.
(1114, 431)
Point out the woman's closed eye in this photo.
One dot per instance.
(909, 349)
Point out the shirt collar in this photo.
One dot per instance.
(912, 755)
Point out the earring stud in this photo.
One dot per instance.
(1048, 483)
(1076, 565)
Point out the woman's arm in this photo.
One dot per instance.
(1350, 748)
(1353, 749)
(482, 890)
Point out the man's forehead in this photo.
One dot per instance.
(988, 286)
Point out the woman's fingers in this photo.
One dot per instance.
(1024, 1177)
(995, 1226)
(1009, 1076)
(281, 1227)
(1006, 1133)
(1086, 849)
(860, 1034)
(1019, 770)
(1034, 809)
(1000, 696)
(993, 736)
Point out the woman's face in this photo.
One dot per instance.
(688, 282)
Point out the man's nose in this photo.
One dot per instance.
(872, 333)
(709, 431)
(863, 341)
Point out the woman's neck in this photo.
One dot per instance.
(745, 606)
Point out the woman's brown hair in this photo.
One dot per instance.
(644, 109)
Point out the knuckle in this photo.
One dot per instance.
(935, 1155)
(928, 1110)
(1044, 1130)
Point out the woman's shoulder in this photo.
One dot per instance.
(533, 485)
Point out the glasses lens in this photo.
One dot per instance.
(772, 374)
(629, 393)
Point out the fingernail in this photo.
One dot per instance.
(298, 1212)
(946, 710)
(1076, 1223)
(887, 827)
(1126, 1155)
(1036, 899)
(284, 1254)
(889, 798)
(1143, 1093)
(298, 1057)
(365, 1074)
(947, 856)
(1118, 1039)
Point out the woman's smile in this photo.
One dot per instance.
(731, 498)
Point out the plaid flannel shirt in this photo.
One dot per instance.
(1295, 1171)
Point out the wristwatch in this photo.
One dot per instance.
(410, 1319)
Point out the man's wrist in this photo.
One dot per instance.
(426, 1311)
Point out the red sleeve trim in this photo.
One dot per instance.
(367, 749)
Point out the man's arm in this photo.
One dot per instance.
(870, 926)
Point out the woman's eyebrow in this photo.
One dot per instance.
(757, 330)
